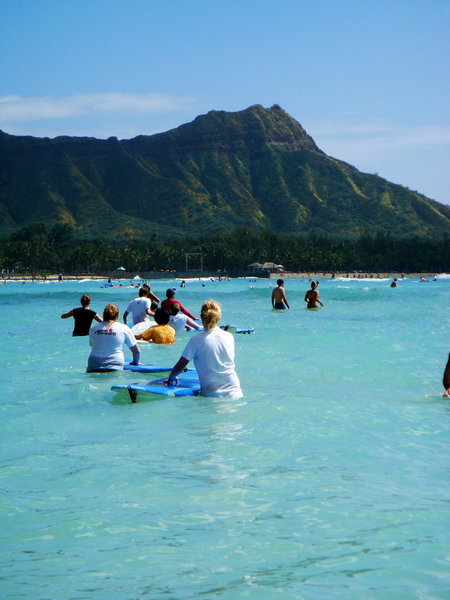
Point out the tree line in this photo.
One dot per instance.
(56, 248)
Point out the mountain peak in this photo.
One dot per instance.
(254, 126)
(256, 168)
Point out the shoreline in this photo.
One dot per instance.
(37, 277)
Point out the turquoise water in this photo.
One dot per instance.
(329, 479)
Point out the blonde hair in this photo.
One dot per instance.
(111, 313)
(210, 314)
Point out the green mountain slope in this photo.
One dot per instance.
(256, 168)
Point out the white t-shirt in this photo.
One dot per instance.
(138, 308)
(213, 354)
(107, 340)
(178, 322)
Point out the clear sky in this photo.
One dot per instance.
(367, 79)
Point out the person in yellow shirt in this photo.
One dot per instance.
(161, 333)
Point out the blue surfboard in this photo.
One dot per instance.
(187, 385)
(146, 368)
(234, 329)
(230, 328)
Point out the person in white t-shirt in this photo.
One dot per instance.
(179, 321)
(212, 351)
(107, 339)
(140, 308)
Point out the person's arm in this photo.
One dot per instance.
(136, 354)
(191, 324)
(146, 335)
(177, 369)
(446, 378)
(125, 315)
(186, 312)
(273, 298)
(152, 296)
(68, 314)
(98, 318)
(285, 299)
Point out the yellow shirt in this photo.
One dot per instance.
(159, 334)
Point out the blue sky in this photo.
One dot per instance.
(369, 81)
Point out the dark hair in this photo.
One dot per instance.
(111, 313)
(176, 307)
(143, 291)
(280, 281)
(85, 300)
(161, 316)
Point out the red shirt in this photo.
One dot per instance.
(167, 305)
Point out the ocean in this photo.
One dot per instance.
(329, 479)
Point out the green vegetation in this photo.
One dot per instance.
(256, 168)
(39, 247)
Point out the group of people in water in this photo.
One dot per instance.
(212, 350)
(279, 300)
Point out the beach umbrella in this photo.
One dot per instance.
(120, 269)
(137, 277)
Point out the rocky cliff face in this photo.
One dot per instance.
(257, 167)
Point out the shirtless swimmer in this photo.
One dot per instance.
(312, 296)
(279, 300)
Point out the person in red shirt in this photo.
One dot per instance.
(167, 303)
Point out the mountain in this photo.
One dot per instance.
(256, 168)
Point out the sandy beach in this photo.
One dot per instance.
(145, 276)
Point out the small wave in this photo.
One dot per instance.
(362, 279)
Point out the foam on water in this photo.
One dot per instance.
(327, 480)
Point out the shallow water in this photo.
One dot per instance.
(329, 479)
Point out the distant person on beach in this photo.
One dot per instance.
(422, 279)
(162, 332)
(140, 307)
(107, 339)
(212, 351)
(312, 296)
(446, 378)
(179, 321)
(279, 300)
(394, 283)
(83, 316)
(167, 303)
